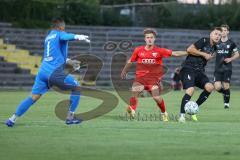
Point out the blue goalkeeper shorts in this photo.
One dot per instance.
(44, 81)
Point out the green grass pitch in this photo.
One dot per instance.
(41, 135)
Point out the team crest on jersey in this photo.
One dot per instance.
(228, 46)
(154, 54)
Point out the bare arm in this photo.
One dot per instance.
(125, 69)
(179, 53)
(194, 51)
(235, 56)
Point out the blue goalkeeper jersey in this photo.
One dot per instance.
(55, 50)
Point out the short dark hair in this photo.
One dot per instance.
(225, 26)
(150, 30)
(57, 22)
(217, 28)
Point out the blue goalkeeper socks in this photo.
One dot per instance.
(24, 106)
(28, 102)
(74, 98)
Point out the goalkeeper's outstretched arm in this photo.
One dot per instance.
(70, 36)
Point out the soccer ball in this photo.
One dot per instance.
(191, 107)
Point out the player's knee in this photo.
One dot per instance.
(35, 97)
(137, 89)
(217, 86)
(135, 94)
(76, 91)
(209, 87)
(190, 91)
(157, 99)
(226, 86)
(77, 88)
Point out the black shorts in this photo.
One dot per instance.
(192, 78)
(223, 76)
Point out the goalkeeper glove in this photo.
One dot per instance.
(82, 37)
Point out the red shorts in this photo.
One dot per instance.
(148, 82)
(149, 75)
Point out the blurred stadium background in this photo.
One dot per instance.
(179, 23)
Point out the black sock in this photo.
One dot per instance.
(226, 96)
(203, 97)
(185, 99)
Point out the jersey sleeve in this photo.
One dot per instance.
(234, 48)
(134, 56)
(165, 52)
(66, 36)
(200, 43)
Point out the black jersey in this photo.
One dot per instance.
(199, 62)
(224, 50)
(176, 77)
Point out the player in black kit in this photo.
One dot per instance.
(227, 51)
(193, 69)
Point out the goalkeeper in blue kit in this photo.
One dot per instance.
(51, 72)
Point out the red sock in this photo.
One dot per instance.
(162, 106)
(133, 103)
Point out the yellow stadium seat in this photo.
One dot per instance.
(11, 47)
(3, 46)
(22, 51)
(20, 56)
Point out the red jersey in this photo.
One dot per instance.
(149, 62)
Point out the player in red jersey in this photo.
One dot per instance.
(149, 71)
